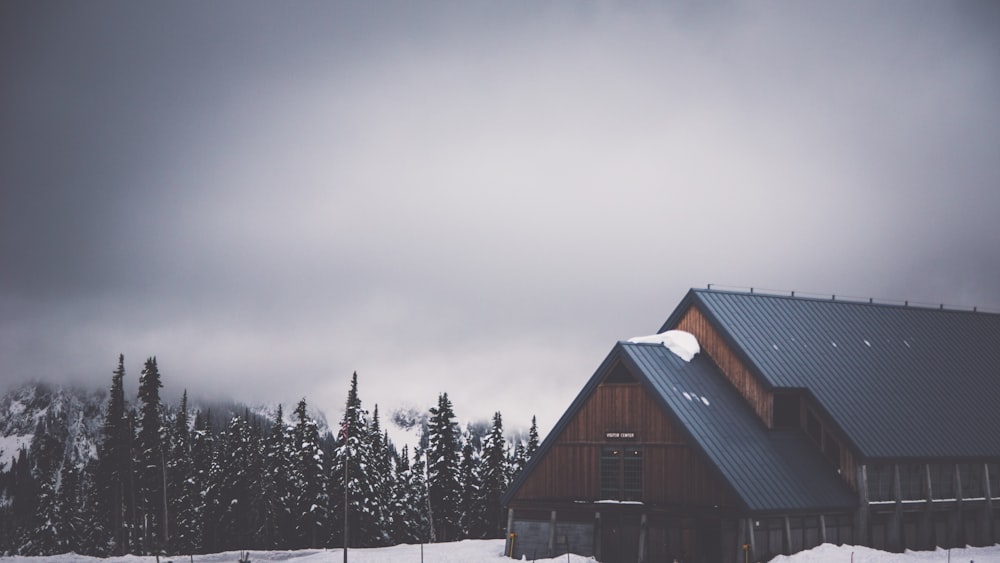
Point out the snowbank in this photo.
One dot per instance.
(468, 551)
(848, 553)
(682, 343)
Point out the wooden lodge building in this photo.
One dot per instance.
(801, 421)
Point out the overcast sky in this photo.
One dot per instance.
(477, 198)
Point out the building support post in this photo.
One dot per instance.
(787, 544)
(822, 528)
(598, 532)
(643, 531)
(956, 538)
(753, 536)
(988, 538)
(510, 530)
(552, 534)
(895, 539)
(862, 516)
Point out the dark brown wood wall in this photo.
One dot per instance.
(673, 472)
(730, 366)
(750, 388)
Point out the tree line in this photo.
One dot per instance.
(165, 482)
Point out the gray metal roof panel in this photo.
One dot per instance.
(771, 471)
(900, 382)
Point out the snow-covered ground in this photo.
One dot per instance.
(486, 551)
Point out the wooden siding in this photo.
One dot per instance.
(753, 391)
(712, 344)
(673, 472)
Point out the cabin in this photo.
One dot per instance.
(800, 421)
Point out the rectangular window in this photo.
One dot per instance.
(786, 410)
(912, 477)
(621, 473)
(972, 480)
(942, 481)
(880, 483)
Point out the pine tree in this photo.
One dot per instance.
(275, 488)
(309, 499)
(193, 521)
(180, 494)
(471, 519)
(353, 479)
(113, 464)
(445, 489)
(66, 515)
(532, 439)
(150, 457)
(44, 537)
(495, 479)
(95, 537)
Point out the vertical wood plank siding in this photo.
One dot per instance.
(672, 471)
(730, 366)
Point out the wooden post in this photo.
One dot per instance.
(822, 528)
(598, 531)
(643, 530)
(955, 539)
(989, 538)
(510, 530)
(753, 536)
(552, 534)
(862, 517)
(927, 520)
(787, 547)
(895, 531)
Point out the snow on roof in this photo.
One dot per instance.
(683, 344)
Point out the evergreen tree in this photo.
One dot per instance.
(192, 521)
(113, 457)
(239, 486)
(353, 479)
(43, 538)
(532, 439)
(471, 523)
(275, 488)
(150, 457)
(180, 493)
(95, 537)
(445, 489)
(66, 515)
(309, 500)
(495, 479)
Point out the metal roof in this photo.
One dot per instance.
(900, 382)
(770, 471)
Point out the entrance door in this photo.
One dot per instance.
(620, 538)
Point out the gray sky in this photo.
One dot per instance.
(477, 198)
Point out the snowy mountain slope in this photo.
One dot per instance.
(75, 416)
(71, 414)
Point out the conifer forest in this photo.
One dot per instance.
(164, 481)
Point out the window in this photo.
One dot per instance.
(912, 477)
(880, 479)
(786, 410)
(942, 481)
(621, 473)
(972, 480)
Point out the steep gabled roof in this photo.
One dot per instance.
(769, 471)
(900, 382)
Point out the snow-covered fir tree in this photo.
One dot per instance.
(471, 515)
(495, 479)
(149, 460)
(276, 490)
(445, 488)
(309, 500)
